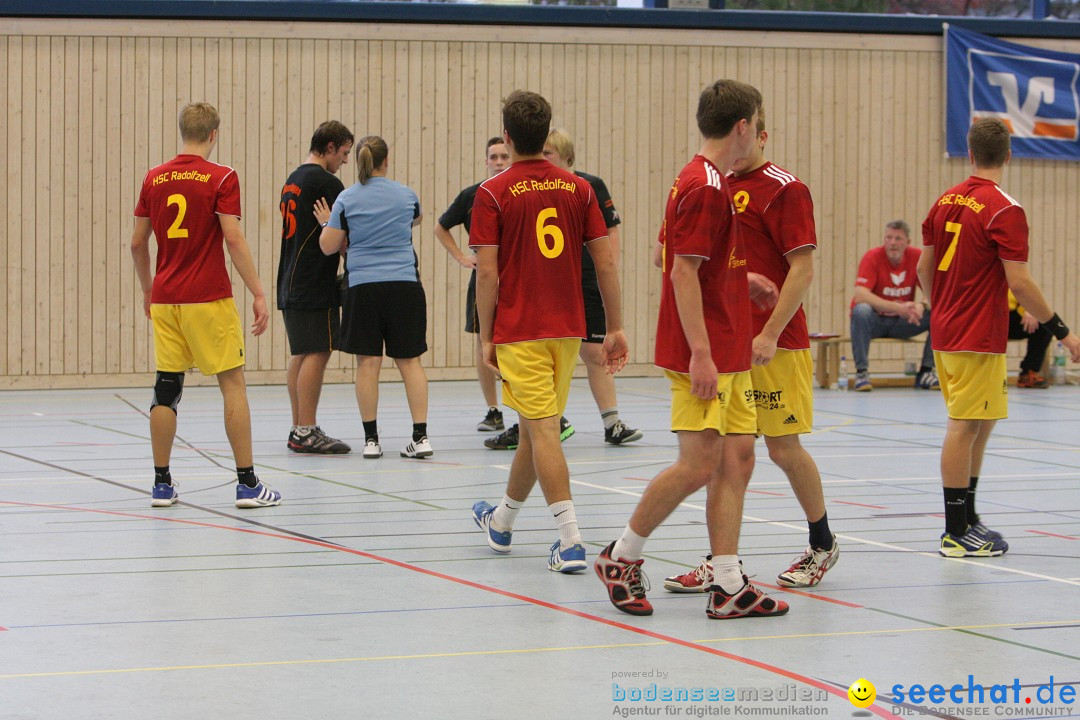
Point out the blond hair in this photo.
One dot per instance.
(371, 153)
(197, 121)
(560, 140)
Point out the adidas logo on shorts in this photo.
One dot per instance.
(791, 420)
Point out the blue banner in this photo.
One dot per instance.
(1034, 91)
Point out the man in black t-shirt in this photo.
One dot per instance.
(307, 288)
(497, 159)
(559, 150)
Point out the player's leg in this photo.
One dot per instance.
(493, 420)
(416, 391)
(976, 397)
(361, 336)
(250, 491)
(865, 326)
(172, 357)
(602, 385)
(292, 375)
(404, 305)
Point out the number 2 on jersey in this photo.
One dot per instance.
(176, 230)
(953, 229)
(549, 237)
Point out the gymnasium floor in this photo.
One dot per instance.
(370, 594)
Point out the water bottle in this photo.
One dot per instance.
(842, 378)
(1057, 368)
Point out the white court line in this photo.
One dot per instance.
(852, 538)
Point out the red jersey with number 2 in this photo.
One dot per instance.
(973, 227)
(539, 216)
(183, 199)
(700, 221)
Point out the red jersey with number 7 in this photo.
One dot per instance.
(183, 199)
(973, 227)
(539, 217)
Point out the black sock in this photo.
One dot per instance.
(419, 431)
(371, 430)
(924, 369)
(246, 475)
(972, 516)
(821, 538)
(162, 475)
(956, 523)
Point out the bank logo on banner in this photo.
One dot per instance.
(1034, 91)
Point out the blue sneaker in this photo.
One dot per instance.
(570, 560)
(496, 540)
(254, 497)
(164, 495)
(973, 543)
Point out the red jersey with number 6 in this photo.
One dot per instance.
(973, 227)
(183, 199)
(776, 216)
(539, 216)
(700, 222)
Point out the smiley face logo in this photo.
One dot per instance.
(862, 693)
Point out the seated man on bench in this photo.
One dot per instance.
(884, 306)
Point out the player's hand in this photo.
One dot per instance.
(915, 315)
(763, 291)
(491, 359)
(467, 261)
(1072, 344)
(146, 302)
(1029, 323)
(616, 351)
(262, 317)
(762, 350)
(703, 378)
(321, 211)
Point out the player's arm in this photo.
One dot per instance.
(800, 275)
(925, 268)
(616, 244)
(1030, 296)
(487, 295)
(140, 253)
(687, 287)
(245, 265)
(658, 254)
(863, 294)
(616, 348)
(465, 260)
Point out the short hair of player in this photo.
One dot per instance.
(989, 141)
(370, 154)
(497, 140)
(197, 121)
(330, 131)
(899, 225)
(723, 104)
(526, 118)
(560, 140)
(760, 121)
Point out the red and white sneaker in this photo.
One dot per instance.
(625, 583)
(747, 602)
(808, 569)
(697, 580)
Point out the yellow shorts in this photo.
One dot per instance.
(203, 335)
(731, 412)
(974, 385)
(536, 375)
(783, 393)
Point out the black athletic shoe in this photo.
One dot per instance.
(506, 440)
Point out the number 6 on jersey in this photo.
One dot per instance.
(543, 232)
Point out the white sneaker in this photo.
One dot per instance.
(418, 449)
(372, 450)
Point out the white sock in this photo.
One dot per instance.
(566, 518)
(505, 514)
(610, 417)
(727, 573)
(629, 546)
(304, 429)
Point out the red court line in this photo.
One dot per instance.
(1043, 532)
(811, 595)
(485, 588)
(765, 492)
(3, 629)
(875, 507)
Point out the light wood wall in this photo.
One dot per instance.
(91, 105)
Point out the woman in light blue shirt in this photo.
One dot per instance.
(385, 304)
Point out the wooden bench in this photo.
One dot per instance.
(827, 366)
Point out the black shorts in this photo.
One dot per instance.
(393, 314)
(312, 331)
(595, 319)
(472, 320)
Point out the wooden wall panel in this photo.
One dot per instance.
(92, 106)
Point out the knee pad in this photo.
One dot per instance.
(168, 388)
